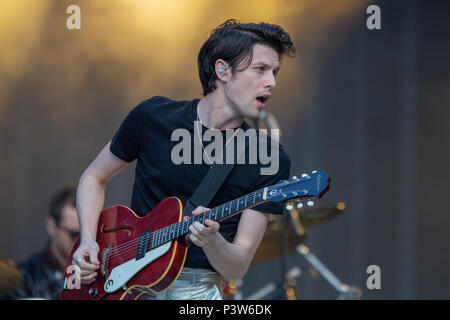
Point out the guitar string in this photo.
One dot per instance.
(161, 234)
(230, 206)
(133, 244)
(125, 249)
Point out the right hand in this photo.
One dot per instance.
(85, 257)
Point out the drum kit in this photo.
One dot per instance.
(286, 235)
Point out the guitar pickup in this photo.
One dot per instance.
(143, 245)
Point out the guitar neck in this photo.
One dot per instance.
(219, 213)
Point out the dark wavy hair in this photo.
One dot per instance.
(233, 42)
(65, 196)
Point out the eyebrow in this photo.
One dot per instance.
(276, 69)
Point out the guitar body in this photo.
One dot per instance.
(123, 274)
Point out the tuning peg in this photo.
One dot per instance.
(310, 203)
(289, 207)
(294, 177)
(299, 205)
(314, 171)
(304, 175)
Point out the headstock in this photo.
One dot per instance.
(311, 185)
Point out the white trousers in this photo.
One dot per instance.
(192, 284)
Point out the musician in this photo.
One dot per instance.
(42, 273)
(237, 66)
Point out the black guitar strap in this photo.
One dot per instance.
(210, 184)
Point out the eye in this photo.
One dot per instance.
(260, 69)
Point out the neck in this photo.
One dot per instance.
(215, 113)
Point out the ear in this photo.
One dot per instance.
(50, 224)
(222, 70)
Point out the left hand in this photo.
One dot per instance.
(202, 235)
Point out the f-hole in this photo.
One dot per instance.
(121, 228)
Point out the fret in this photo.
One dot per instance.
(187, 222)
(242, 202)
(226, 209)
(210, 214)
(170, 232)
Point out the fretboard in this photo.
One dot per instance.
(219, 213)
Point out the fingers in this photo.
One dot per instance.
(87, 271)
(213, 225)
(199, 210)
(93, 257)
(86, 259)
(202, 235)
(84, 265)
(88, 278)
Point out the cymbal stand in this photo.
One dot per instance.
(287, 286)
(345, 291)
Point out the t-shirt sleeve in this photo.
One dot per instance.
(268, 180)
(126, 143)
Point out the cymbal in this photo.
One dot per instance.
(10, 278)
(294, 230)
(271, 244)
(311, 216)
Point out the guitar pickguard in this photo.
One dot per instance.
(121, 274)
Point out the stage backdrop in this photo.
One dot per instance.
(370, 107)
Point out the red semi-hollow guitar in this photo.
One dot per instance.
(146, 254)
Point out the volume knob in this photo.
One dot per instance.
(93, 292)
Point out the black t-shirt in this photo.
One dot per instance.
(146, 134)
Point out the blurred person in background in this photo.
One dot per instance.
(42, 274)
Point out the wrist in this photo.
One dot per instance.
(216, 241)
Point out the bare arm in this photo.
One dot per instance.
(231, 260)
(90, 201)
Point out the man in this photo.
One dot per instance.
(42, 273)
(237, 68)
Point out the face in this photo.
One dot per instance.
(248, 91)
(65, 233)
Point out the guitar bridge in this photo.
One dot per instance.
(105, 260)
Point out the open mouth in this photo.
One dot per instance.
(263, 99)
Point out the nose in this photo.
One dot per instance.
(270, 81)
